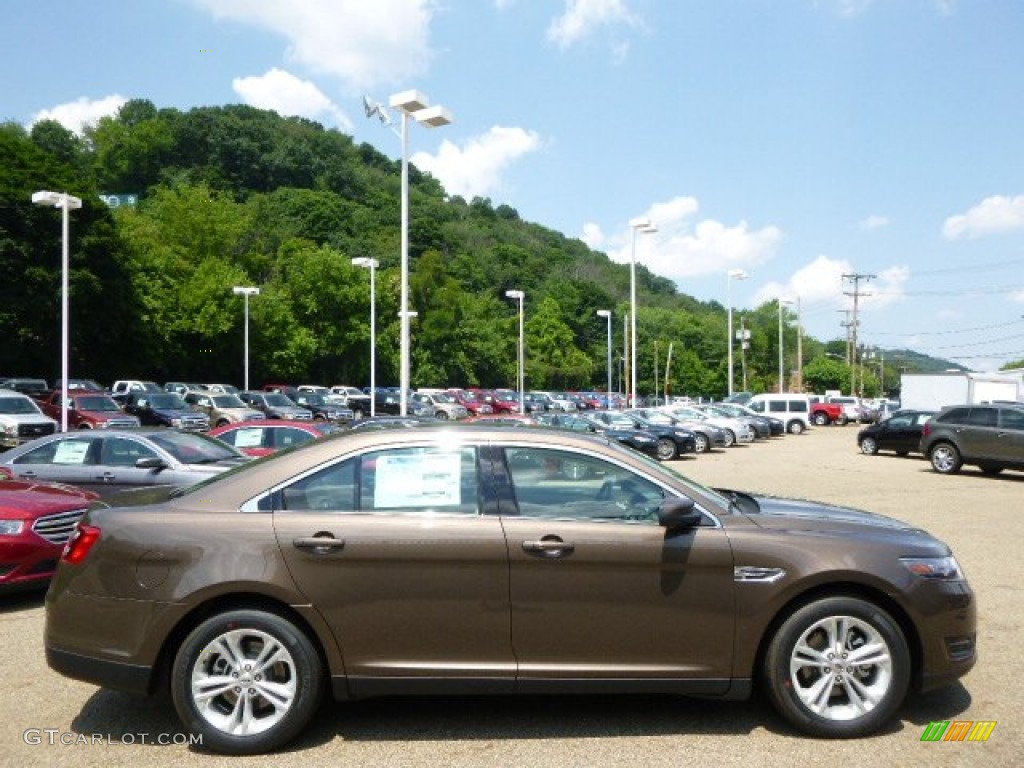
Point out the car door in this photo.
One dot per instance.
(117, 466)
(600, 592)
(1010, 436)
(899, 433)
(68, 458)
(392, 549)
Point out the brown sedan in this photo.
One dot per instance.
(474, 559)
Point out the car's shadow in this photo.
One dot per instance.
(22, 600)
(120, 717)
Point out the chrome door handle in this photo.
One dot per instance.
(320, 545)
(549, 547)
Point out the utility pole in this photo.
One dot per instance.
(856, 280)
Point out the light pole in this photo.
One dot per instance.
(732, 274)
(371, 264)
(410, 104)
(66, 203)
(782, 370)
(245, 291)
(645, 226)
(521, 362)
(607, 315)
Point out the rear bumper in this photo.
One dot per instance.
(105, 673)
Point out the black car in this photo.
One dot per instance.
(637, 439)
(901, 433)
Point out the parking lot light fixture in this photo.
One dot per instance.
(607, 315)
(371, 264)
(66, 203)
(646, 227)
(521, 361)
(410, 104)
(732, 274)
(245, 291)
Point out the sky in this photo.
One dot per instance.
(802, 142)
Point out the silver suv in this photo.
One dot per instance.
(990, 436)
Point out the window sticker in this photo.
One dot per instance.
(71, 452)
(249, 438)
(418, 480)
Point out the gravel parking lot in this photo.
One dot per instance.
(47, 720)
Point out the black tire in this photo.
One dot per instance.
(222, 423)
(297, 664)
(701, 443)
(945, 458)
(667, 449)
(881, 679)
(820, 419)
(795, 427)
(842, 421)
(730, 438)
(357, 415)
(868, 446)
(442, 415)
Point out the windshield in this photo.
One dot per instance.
(621, 420)
(168, 401)
(276, 398)
(441, 397)
(191, 448)
(227, 401)
(310, 398)
(94, 404)
(17, 405)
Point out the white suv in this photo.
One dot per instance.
(794, 409)
(21, 420)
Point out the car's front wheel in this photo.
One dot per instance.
(246, 681)
(869, 446)
(820, 419)
(667, 448)
(945, 458)
(838, 667)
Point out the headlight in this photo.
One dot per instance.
(11, 430)
(11, 527)
(939, 568)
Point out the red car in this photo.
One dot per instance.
(89, 410)
(472, 401)
(36, 521)
(261, 438)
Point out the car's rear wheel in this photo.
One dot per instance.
(730, 438)
(701, 442)
(667, 449)
(838, 667)
(842, 421)
(945, 458)
(869, 446)
(247, 681)
(795, 427)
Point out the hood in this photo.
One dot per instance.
(25, 500)
(775, 512)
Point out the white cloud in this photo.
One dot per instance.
(993, 215)
(822, 281)
(364, 44)
(475, 169)
(592, 236)
(874, 222)
(583, 17)
(75, 115)
(679, 250)
(288, 95)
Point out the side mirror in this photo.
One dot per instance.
(151, 462)
(677, 513)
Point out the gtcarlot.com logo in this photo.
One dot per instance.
(56, 737)
(959, 730)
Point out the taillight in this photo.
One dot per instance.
(81, 542)
(926, 429)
